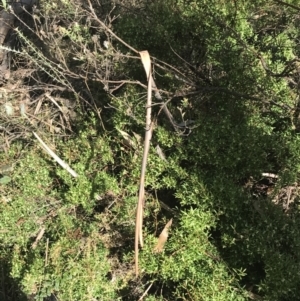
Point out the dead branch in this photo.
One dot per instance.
(145, 57)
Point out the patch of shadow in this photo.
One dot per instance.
(10, 289)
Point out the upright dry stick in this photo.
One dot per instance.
(145, 57)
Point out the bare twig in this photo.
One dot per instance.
(109, 30)
(157, 94)
(288, 4)
(145, 57)
(54, 101)
(39, 237)
(146, 291)
(55, 157)
(47, 250)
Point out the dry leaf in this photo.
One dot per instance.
(145, 57)
(160, 153)
(127, 139)
(163, 237)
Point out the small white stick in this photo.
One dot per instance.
(146, 291)
(39, 237)
(47, 248)
(269, 175)
(54, 101)
(56, 158)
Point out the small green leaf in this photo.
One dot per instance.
(5, 180)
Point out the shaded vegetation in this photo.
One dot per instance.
(228, 73)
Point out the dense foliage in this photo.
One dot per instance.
(228, 69)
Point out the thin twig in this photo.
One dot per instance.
(38, 238)
(55, 157)
(109, 30)
(146, 291)
(54, 101)
(288, 4)
(157, 94)
(47, 249)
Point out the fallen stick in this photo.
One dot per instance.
(55, 157)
